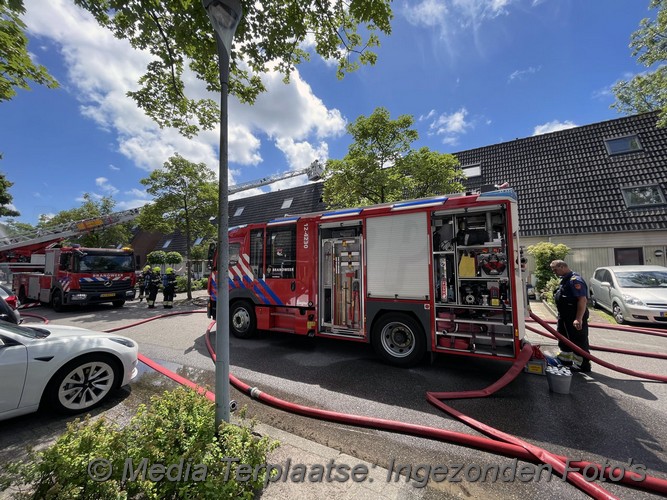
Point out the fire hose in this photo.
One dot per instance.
(503, 444)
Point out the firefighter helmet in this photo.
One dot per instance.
(147, 268)
(156, 269)
(169, 270)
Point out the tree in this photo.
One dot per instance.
(272, 36)
(113, 236)
(6, 198)
(380, 165)
(545, 253)
(647, 91)
(16, 66)
(185, 198)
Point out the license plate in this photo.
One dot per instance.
(107, 295)
(663, 314)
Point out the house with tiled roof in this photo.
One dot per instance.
(600, 189)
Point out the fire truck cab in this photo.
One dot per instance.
(438, 275)
(79, 276)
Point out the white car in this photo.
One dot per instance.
(66, 368)
(631, 293)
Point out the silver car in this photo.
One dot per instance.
(631, 293)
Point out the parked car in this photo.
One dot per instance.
(65, 368)
(8, 307)
(631, 293)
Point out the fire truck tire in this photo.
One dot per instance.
(107, 375)
(57, 302)
(118, 303)
(399, 340)
(242, 320)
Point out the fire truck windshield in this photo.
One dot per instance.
(106, 263)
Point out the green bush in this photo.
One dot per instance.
(549, 290)
(545, 253)
(178, 427)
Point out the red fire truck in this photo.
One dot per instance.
(439, 275)
(79, 276)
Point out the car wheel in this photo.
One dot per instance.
(83, 383)
(118, 303)
(242, 321)
(399, 340)
(617, 312)
(57, 302)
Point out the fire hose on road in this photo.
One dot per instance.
(499, 443)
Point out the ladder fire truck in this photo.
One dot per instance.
(70, 275)
(438, 275)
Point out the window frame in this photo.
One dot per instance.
(626, 192)
(629, 138)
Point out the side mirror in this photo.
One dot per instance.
(211, 251)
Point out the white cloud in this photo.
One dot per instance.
(426, 13)
(103, 184)
(553, 126)
(450, 126)
(101, 69)
(520, 74)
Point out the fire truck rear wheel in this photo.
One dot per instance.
(399, 340)
(242, 320)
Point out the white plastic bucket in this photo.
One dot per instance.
(559, 380)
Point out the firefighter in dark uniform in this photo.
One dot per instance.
(144, 280)
(153, 287)
(571, 299)
(168, 288)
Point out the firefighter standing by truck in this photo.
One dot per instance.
(571, 299)
(153, 287)
(168, 288)
(144, 280)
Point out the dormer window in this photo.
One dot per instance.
(239, 211)
(472, 170)
(620, 145)
(643, 196)
(287, 203)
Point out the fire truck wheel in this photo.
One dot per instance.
(398, 339)
(118, 303)
(66, 393)
(242, 321)
(57, 302)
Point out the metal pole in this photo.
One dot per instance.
(222, 307)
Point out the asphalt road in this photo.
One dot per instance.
(608, 416)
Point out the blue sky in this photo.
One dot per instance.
(471, 73)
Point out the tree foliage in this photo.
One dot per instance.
(647, 91)
(119, 234)
(272, 36)
(545, 253)
(16, 66)
(185, 198)
(6, 198)
(381, 166)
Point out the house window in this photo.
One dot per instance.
(621, 145)
(287, 203)
(642, 196)
(628, 257)
(166, 243)
(239, 211)
(472, 170)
